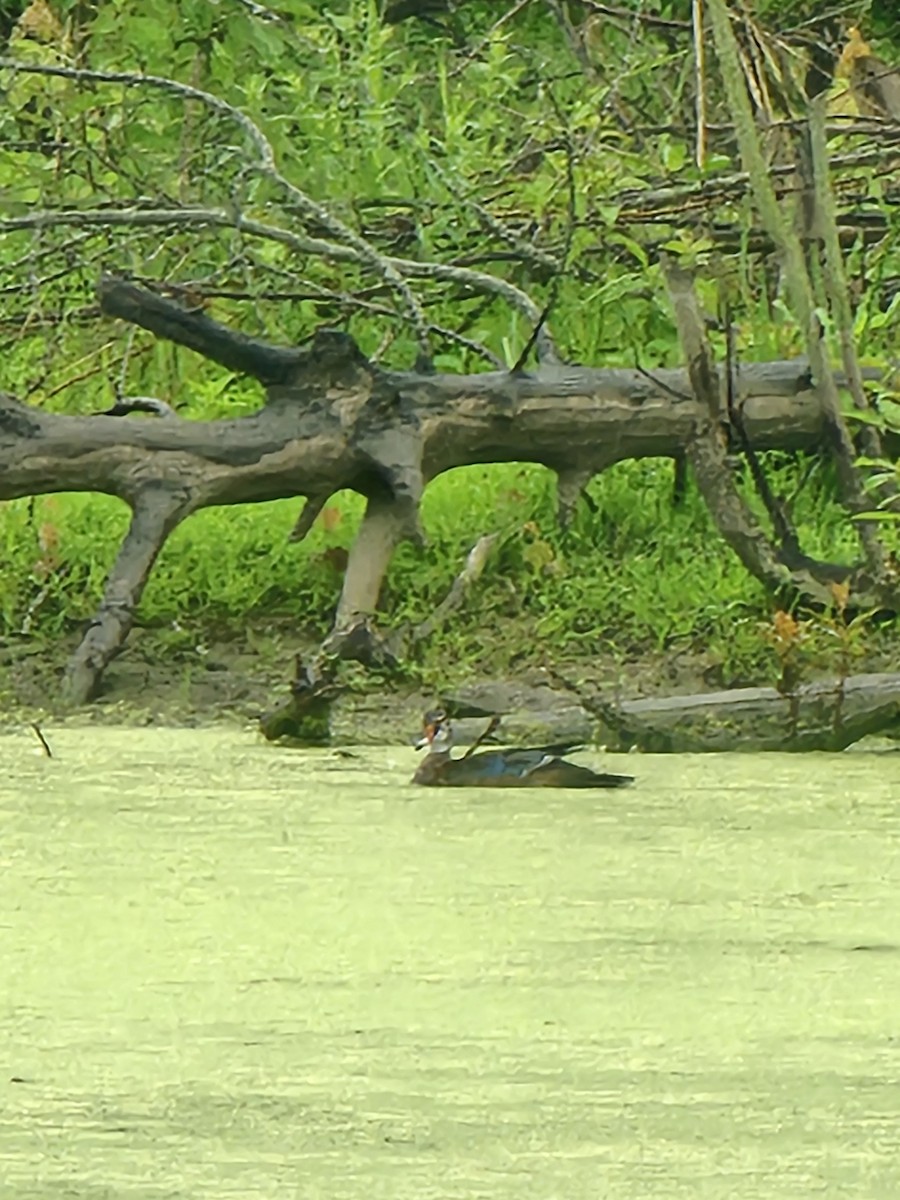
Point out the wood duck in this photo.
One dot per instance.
(539, 767)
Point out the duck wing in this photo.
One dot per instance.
(556, 772)
(515, 768)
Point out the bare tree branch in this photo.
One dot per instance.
(199, 217)
(266, 163)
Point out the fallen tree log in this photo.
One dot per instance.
(825, 715)
(332, 420)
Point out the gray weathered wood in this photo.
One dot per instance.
(332, 420)
(825, 715)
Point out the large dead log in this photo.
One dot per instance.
(332, 420)
(826, 715)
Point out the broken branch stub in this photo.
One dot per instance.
(156, 513)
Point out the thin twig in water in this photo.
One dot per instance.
(42, 739)
(492, 727)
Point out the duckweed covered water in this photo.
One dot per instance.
(235, 971)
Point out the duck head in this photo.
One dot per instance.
(437, 733)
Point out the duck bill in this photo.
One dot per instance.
(427, 737)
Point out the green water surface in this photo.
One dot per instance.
(228, 970)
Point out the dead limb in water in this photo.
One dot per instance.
(826, 715)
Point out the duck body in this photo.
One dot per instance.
(539, 767)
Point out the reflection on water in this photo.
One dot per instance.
(235, 971)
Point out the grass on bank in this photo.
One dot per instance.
(633, 575)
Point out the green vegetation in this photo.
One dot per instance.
(425, 151)
(626, 579)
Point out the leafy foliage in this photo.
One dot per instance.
(282, 167)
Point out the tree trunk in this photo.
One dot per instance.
(332, 420)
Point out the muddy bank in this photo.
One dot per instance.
(178, 677)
